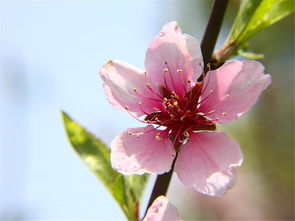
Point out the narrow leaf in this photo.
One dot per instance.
(253, 16)
(267, 13)
(128, 190)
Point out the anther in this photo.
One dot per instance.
(209, 66)
(175, 103)
(227, 96)
(165, 69)
(148, 85)
(189, 81)
(166, 62)
(134, 89)
(179, 70)
(110, 62)
(158, 137)
(139, 103)
(129, 133)
(211, 91)
(223, 114)
(126, 107)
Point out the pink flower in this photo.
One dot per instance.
(161, 210)
(180, 110)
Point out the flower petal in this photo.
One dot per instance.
(161, 210)
(181, 52)
(120, 82)
(233, 89)
(140, 150)
(207, 162)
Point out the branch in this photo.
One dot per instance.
(212, 31)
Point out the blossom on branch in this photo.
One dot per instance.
(161, 210)
(181, 112)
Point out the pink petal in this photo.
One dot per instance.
(180, 51)
(140, 150)
(161, 210)
(233, 89)
(120, 80)
(207, 162)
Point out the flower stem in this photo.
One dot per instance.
(161, 185)
(212, 31)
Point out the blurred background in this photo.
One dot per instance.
(50, 54)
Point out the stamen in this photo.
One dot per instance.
(177, 134)
(166, 63)
(215, 104)
(150, 88)
(127, 109)
(141, 95)
(165, 80)
(182, 81)
(188, 99)
(140, 106)
(223, 114)
(210, 112)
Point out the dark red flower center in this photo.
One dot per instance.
(181, 115)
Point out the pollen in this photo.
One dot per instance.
(175, 103)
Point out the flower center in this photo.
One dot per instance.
(181, 115)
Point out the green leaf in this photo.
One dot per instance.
(253, 16)
(126, 190)
(267, 13)
(246, 11)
